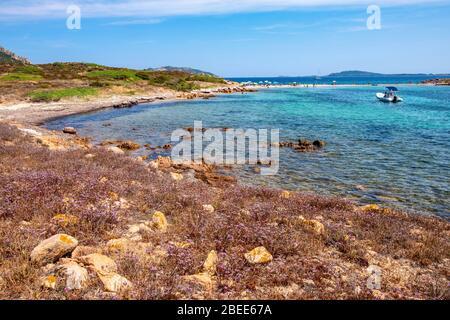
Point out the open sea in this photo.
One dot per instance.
(396, 155)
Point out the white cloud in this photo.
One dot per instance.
(163, 8)
(134, 22)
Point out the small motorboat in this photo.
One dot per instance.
(389, 95)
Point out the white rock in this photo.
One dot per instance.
(116, 150)
(208, 208)
(76, 276)
(114, 282)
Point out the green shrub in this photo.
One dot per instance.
(56, 95)
(20, 77)
(205, 78)
(29, 69)
(121, 74)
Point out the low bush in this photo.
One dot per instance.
(58, 94)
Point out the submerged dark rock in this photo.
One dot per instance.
(303, 145)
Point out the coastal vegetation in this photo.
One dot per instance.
(20, 77)
(56, 95)
(55, 81)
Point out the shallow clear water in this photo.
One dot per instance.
(396, 155)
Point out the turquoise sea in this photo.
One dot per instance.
(395, 155)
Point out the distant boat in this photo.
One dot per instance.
(389, 95)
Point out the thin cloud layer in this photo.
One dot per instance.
(165, 8)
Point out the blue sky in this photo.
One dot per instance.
(235, 38)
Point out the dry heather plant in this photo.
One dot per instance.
(36, 184)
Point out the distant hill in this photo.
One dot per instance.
(7, 56)
(182, 69)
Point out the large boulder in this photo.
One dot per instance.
(53, 248)
(76, 276)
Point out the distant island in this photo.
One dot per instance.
(182, 69)
(357, 73)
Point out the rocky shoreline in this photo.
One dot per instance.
(39, 113)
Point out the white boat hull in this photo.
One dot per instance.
(393, 99)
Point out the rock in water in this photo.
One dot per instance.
(129, 145)
(319, 143)
(258, 255)
(53, 248)
(70, 130)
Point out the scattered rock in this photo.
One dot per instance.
(316, 226)
(159, 221)
(129, 145)
(83, 251)
(153, 164)
(114, 282)
(200, 285)
(377, 294)
(370, 207)
(89, 156)
(119, 245)
(99, 262)
(164, 162)
(303, 145)
(135, 229)
(208, 208)
(116, 150)
(176, 176)
(70, 130)
(53, 248)
(285, 194)
(210, 264)
(319, 143)
(258, 255)
(142, 158)
(76, 276)
(308, 283)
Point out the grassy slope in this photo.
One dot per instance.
(37, 184)
(54, 81)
